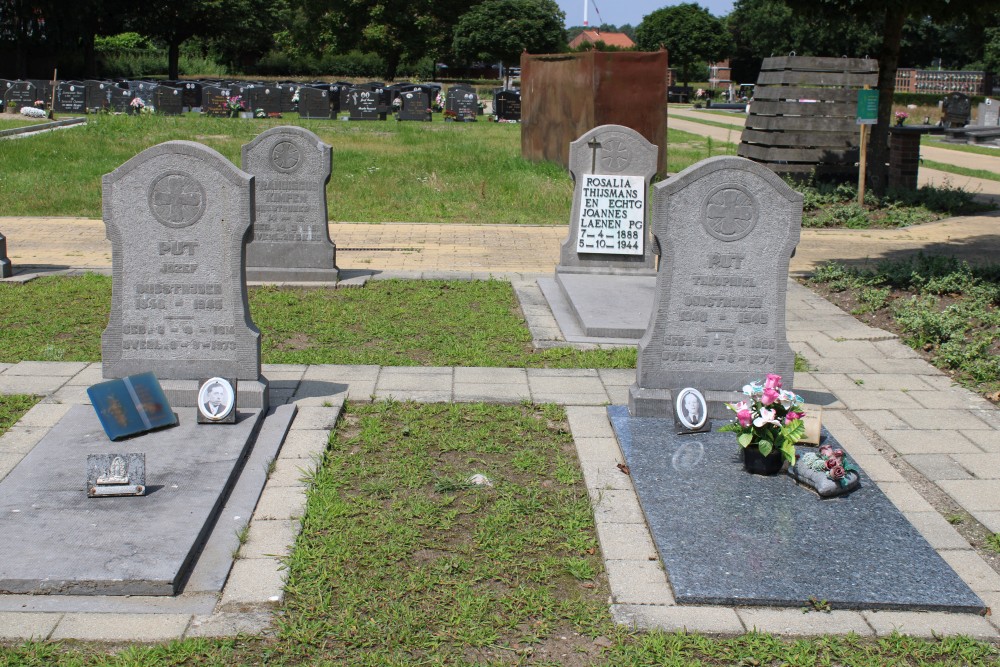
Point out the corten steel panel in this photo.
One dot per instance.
(566, 95)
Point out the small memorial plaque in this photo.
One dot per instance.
(217, 401)
(690, 411)
(612, 215)
(131, 405)
(116, 475)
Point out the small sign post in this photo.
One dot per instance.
(867, 115)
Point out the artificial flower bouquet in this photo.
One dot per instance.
(769, 418)
(901, 117)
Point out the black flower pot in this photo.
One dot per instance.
(758, 464)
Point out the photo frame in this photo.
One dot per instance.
(691, 411)
(217, 401)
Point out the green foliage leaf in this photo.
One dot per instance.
(744, 439)
(765, 447)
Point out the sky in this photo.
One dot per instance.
(620, 12)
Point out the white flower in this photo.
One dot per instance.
(753, 388)
(33, 112)
(766, 417)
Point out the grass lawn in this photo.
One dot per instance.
(392, 322)
(382, 171)
(13, 407)
(402, 561)
(10, 121)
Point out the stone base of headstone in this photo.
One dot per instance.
(6, 269)
(600, 306)
(120, 545)
(765, 541)
(650, 402)
(273, 274)
(250, 395)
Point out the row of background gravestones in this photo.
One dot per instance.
(370, 101)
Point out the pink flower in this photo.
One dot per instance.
(772, 382)
(836, 472)
(792, 416)
(832, 463)
(839, 453)
(766, 417)
(769, 396)
(826, 450)
(743, 417)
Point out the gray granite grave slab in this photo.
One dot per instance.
(607, 210)
(600, 308)
(727, 227)
(290, 238)
(141, 545)
(728, 537)
(177, 216)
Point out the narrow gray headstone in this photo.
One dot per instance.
(6, 268)
(178, 215)
(290, 239)
(989, 113)
(727, 227)
(612, 166)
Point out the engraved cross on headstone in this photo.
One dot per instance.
(593, 145)
(176, 198)
(730, 216)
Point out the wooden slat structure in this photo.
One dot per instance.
(802, 118)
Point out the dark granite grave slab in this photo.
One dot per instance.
(58, 541)
(728, 537)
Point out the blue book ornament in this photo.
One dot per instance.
(131, 405)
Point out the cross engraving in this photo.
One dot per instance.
(177, 200)
(615, 155)
(729, 214)
(593, 145)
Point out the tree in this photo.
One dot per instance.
(889, 18)
(691, 35)
(176, 21)
(499, 30)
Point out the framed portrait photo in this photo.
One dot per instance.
(217, 401)
(690, 411)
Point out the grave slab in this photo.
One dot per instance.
(120, 545)
(732, 538)
(600, 307)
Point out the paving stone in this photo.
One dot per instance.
(425, 382)
(121, 627)
(973, 569)
(936, 467)
(269, 538)
(69, 395)
(942, 419)
(638, 582)
(323, 418)
(429, 396)
(360, 391)
(904, 497)
(982, 466)
(625, 541)
(617, 376)
(988, 441)
(818, 364)
(291, 472)
(946, 400)
(491, 393)
(588, 422)
(974, 494)
(914, 366)
(847, 434)
(91, 374)
(408, 371)
(480, 375)
(795, 623)
(893, 349)
(304, 444)
(598, 450)
(341, 374)
(808, 381)
(859, 399)
(989, 519)
(891, 381)
(39, 385)
(283, 368)
(16, 625)
(937, 531)
(20, 440)
(881, 420)
(44, 415)
(67, 369)
(616, 506)
(566, 385)
(285, 502)
(230, 624)
(708, 620)
(604, 476)
(930, 624)
(908, 442)
(877, 468)
(845, 349)
(562, 372)
(255, 581)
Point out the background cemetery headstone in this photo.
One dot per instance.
(507, 104)
(168, 101)
(98, 95)
(71, 97)
(988, 114)
(120, 100)
(215, 100)
(461, 100)
(177, 216)
(956, 109)
(727, 228)
(314, 103)
(363, 103)
(290, 240)
(612, 167)
(20, 94)
(414, 105)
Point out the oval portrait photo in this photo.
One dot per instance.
(216, 399)
(690, 408)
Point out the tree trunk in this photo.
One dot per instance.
(888, 61)
(173, 57)
(89, 53)
(392, 59)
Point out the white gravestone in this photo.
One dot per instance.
(727, 227)
(611, 166)
(178, 216)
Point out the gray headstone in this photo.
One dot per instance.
(507, 104)
(21, 94)
(363, 103)
(314, 103)
(989, 113)
(168, 101)
(290, 239)
(178, 216)
(727, 227)
(6, 268)
(71, 97)
(612, 166)
(414, 105)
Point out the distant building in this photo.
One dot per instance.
(720, 74)
(910, 80)
(616, 39)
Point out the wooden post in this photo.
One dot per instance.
(862, 164)
(52, 104)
